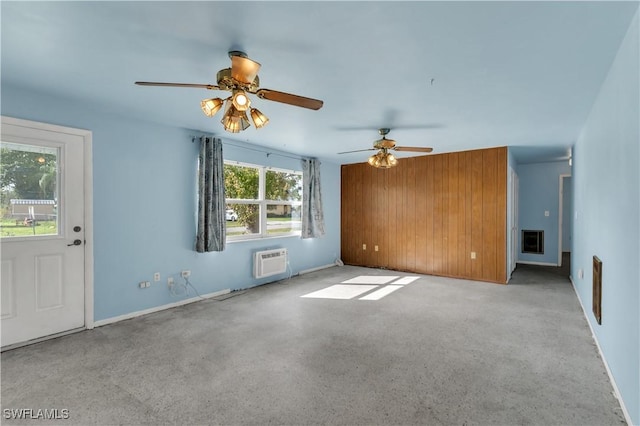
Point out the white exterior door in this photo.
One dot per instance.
(43, 230)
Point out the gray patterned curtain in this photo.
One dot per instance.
(212, 228)
(312, 215)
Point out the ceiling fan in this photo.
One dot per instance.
(241, 79)
(383, 158)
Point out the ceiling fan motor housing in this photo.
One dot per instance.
(226, 82)
(384, 143)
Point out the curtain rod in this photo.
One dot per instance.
(296, 157)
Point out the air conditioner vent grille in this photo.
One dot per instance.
(269, 262)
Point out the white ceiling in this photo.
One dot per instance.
(450, 75)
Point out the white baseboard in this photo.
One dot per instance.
(41, 339)
(112, 320)
(318, 268)
(525, 262)
(616, 391)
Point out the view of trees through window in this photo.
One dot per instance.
(262, 201)
(28, 190)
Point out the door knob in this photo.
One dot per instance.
(77, 229)
(75, 243)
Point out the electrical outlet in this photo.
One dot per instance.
(473, 254)
(375, 248)
(142, 284)
(170, 281)
(364, 247)
(186, 273)
(156, 277)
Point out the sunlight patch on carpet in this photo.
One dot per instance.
(405, 280)
(370, 279)
(341, 291)
(382, 292)
(368, 287)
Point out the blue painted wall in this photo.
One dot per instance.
(144, 202)
(607, 207)
(539, 192)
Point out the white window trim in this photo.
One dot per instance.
(262, 171)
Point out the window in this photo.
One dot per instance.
(262, 201)
(28, 190)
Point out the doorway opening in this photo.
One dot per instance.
(565, 219)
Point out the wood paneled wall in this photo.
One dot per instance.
(428, 215)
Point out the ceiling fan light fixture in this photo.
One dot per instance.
(235, 121)
(391, 160)
(383, 160)
(240, 100)
(211, 106)
(259, 119)
(234, 124)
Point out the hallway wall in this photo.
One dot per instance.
(607, 210)
(539, 193)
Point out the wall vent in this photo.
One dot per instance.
(533, 242)
(597, 289)
(269, 262)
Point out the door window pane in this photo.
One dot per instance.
(29, 178)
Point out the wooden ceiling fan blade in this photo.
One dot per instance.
(412, 149)
(287, 98)
(244, 69)
(358, 150)
(197, 86)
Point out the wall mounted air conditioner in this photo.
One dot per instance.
(269, 262)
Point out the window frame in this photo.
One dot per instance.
(262, 202)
